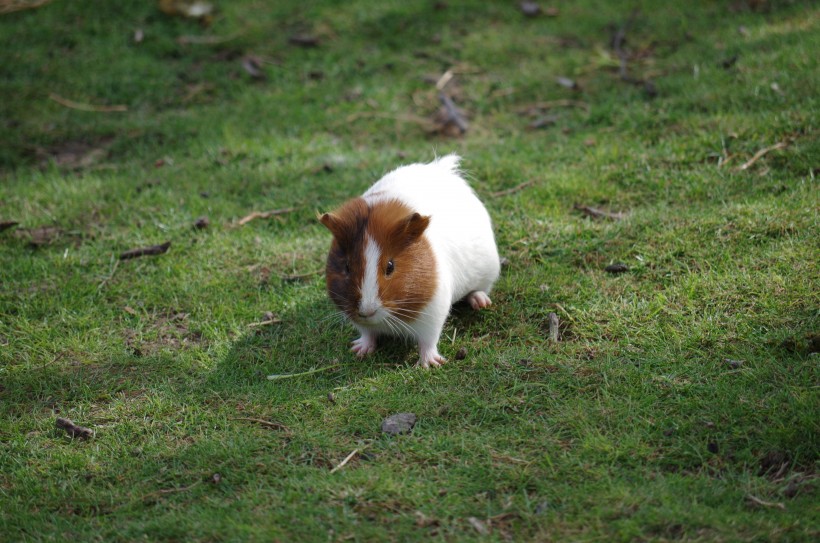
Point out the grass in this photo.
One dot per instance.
(632, 428)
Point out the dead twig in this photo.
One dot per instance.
(445, 78)
(206, 40)
(554, 325)
(264, 215)
(264, 323)
(758, 155)
(165, 491)
(85, 107)
(10, 6)
(345, 461)
(143, 251)
(453, 115)
(596, 213)
(618, 41)
(754, 500)
(552, 104)
(269, 424)
(280, 376)
(513, 190)
(73, 430)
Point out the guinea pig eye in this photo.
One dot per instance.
(390, 267)
(347, 267)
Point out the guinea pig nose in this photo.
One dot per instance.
(364, 315)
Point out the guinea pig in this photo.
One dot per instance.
(413, 244)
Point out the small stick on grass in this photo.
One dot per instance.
(345, 461)
(617, 45)
(73, 430)
(512, 190)
(165, 491)
(758, 155)
(596, 213)
(269, 424)
(143, 251)
(264, 215)
(444, 79)
(554, 327)
(280, 376)
(754, 500)
(206, 40)
(552, 104)
(453, 114)
(85, 107)
(11, 7)
(267, 322)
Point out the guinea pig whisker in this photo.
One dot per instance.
(399, 327)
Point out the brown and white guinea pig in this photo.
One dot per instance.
(402, 253)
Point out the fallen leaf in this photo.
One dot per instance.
(304, 40)
(73, 430)
(554, 327)
(616, 268)
(195, 9)
(202, 223)
(568, 83)
(596, 213)
(479, 526)
(728, 62)
(143, 251)
(530, 9)
(42, 235)
(543, 122)
(733, 364)
(253, 65)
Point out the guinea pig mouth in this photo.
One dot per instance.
(374, 317)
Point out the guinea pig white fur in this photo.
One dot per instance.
(413, 244)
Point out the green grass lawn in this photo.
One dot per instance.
(681, 403)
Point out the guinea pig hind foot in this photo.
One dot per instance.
(479, 300)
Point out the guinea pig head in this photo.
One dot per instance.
(381, 267)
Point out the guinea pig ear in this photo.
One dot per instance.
(411, 228)
(330, 221)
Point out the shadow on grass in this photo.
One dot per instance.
(312, 338)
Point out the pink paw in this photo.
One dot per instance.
(479, 300)
(364, 346)
(433, 359)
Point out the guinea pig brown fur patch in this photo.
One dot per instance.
(408, 284)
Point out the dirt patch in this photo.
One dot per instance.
(74, 154)
(166, 330)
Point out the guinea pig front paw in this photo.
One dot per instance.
(364, 345)
(431, 359)
(479, 300)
